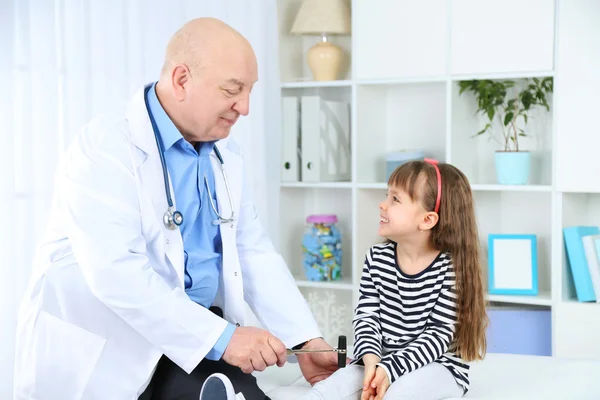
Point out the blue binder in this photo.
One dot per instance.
(577, 260)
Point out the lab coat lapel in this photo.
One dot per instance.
(150, 174)
(233, 291)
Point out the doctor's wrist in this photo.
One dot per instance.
(303, 344)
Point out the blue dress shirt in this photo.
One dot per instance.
(187, 167)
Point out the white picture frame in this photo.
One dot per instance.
(512, 264)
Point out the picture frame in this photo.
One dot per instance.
(512, 264)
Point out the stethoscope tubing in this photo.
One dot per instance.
(173, 218)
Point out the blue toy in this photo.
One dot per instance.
(322, 249)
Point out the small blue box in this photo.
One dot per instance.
(393, 160)
(519, 331)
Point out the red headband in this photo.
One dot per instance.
(439, 182)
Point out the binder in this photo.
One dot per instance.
(290, 140)
(591, 244)
(325, 140)
(577, 260)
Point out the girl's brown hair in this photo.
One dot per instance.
(456, 233)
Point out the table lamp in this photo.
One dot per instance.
(323, 17)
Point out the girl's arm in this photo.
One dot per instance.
(431, 344)
(367, 328)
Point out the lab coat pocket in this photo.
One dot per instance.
(66, 356)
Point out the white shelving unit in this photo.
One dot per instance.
(405, 61)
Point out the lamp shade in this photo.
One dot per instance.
(322, 16)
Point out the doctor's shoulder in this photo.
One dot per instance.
(106, 133)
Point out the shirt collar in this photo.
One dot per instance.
(167, 129)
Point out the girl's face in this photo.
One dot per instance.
(400, 217)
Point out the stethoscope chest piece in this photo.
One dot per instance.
(172, 219)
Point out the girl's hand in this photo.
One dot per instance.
(370, 361)
(368, 392)
(380, 383)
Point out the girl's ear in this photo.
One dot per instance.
(430, 219)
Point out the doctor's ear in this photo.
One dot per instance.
(179, 77)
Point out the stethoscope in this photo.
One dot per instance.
(173, 218)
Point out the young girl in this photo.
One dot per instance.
(421, 313)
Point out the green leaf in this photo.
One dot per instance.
(487, 126)
(491, 112)
(525, 117)
(508, 118)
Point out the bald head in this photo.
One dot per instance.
(200, 41)
(206, 80)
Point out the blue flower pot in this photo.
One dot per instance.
(512, 167)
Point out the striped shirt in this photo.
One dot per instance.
(408, 321)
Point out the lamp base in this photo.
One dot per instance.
(324, 60)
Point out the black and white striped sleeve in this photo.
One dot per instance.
(431, 344)
(366, 322)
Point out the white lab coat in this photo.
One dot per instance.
(107, 297)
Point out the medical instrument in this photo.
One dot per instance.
(173, 218)
(341, 350)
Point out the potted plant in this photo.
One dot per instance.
(506, 111)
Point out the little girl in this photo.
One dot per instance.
(421, 312)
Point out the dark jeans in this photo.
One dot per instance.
(172, 383)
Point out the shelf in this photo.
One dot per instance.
(580, 192)
(415, 79)
(296, 205)
(475, 155)
(542, 299)
(477, 187)
(502, 75)
(577, 209)
(511, 188)
(575, 303)
(315, 84)
(390, 118)
(317, 185)
(400, 81)
(344, 284)
(377, 185)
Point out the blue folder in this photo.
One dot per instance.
(578, 261)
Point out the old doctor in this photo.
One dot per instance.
(151, 237)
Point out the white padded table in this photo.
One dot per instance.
(499, 376)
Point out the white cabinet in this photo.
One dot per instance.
(576, 327)
(408, 58)
(577, 92)
(400, 38)
(490, 36)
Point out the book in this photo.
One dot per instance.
(591, 245)
(578, 264)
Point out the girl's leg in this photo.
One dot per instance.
(345, 384)
(431, 382)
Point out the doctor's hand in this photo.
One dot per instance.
(254, 349)
(317, 366)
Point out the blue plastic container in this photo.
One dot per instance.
(512, 167)
(394, 160)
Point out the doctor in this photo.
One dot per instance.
(125, 299)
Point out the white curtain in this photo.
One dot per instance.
(64, 61)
